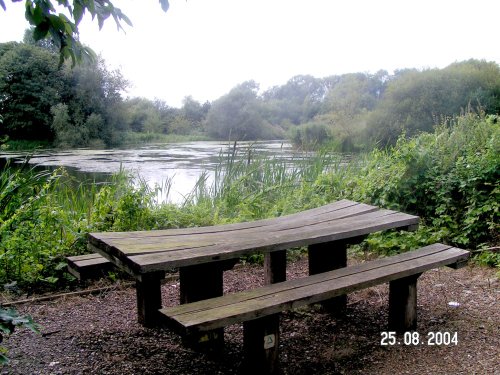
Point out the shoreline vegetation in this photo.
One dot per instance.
(129, 139)
(449, 178)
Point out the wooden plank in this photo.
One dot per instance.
(223, 311)
(88, 266)
(78, 258)
(382, 262)
(284, 239)
(167, 240)
(332, 207)
(123, 265)
(378, 263)
(104, 241)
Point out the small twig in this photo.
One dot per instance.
(492, 249)
(45, 334)
(82, 292)
(459, 283)
(60, 295)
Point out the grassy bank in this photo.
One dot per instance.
(134, 138)
(23, 145)
(449, 178)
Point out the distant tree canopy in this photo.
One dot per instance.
(236, 115)
(296, 101)
(44, 101)
(84, 105)
(30, 84)
(415, 100)
(48, 23)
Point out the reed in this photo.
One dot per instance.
(248, 186)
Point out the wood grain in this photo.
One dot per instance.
(150, 251)
(270, 299)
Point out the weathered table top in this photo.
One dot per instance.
(149, 251)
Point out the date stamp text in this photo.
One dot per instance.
(389, 338)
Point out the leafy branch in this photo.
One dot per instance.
(9, 320)
(63, 30)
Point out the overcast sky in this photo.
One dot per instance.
(204, 48)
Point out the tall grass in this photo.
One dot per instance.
(248, 186)
(23, 145)
(46, 216)
(135, 138)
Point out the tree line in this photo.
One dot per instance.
(84, 106)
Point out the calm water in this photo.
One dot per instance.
(181, 162)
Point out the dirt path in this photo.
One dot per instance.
(99, 334)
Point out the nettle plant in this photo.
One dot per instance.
(9, 321)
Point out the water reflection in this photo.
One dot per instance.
(183, 163)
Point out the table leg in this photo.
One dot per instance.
(199, 282)
(275, 267)
(148, 289)
(261, 345)
(403, 304)
(328, 256)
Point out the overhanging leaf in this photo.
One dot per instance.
(164, 5)
(41, 30)
(56, 22)
(78, 12)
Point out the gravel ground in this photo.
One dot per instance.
(98, 334)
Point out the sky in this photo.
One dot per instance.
(204, 48)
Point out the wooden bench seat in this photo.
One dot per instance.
(258, 309)
(88, 266)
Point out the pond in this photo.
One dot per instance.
(182, 163)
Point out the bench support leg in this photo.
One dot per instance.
(148, 289)
(200, 282)
(403, 304)
(275, 267)
(326, 257)
(261, 345)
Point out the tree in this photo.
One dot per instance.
(297, 101)
(92, 90)
(63, 30)
(30, 84)
(416, 101)
(355, 93)
(44, 101)
(236, 115)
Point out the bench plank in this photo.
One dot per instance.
(88, 266)
(272, 299)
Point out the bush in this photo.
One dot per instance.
(9, 321)
(449, 178)
(310, 136)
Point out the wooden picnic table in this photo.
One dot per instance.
(202, 253)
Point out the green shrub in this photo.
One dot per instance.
(310, 136)
(449, 178)
(9, 321)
